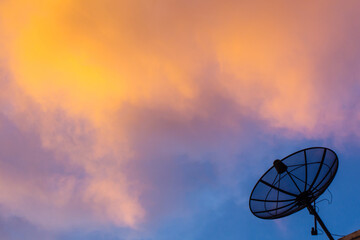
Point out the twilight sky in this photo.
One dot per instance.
(153, 119)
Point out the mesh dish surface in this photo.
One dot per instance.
(309, 172)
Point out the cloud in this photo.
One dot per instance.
(13, 228)
(118, 103)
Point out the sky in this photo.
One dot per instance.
(153, 119)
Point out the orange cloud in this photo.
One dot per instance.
(74, 66)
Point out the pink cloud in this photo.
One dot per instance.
(109, 107)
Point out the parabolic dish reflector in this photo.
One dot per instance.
(293, 183)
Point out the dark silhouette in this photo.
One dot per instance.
(293, 183)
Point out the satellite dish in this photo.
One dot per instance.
(293, 183)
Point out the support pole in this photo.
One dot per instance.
(313, 212)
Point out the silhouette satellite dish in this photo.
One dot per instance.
(293, 183)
